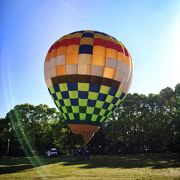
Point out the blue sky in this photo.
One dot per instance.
(149, 29)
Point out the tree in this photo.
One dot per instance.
(140, 124)
(32, 125)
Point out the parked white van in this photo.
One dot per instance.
(52, 153)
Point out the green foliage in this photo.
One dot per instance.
(146, 123)
(34, 130)
(141, 124)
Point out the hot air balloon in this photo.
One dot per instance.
(88, 73)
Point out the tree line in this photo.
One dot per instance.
(141, 124)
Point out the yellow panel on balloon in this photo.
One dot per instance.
(100, 36)
(75, 35)
(87, 41)
(107, 38)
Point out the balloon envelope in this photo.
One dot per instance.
(88, 74)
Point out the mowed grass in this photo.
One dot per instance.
(141, 166)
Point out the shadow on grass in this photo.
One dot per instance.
(154, 161)
(8, 165)
(12, 169)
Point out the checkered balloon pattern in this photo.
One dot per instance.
(88, 74)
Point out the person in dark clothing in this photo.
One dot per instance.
(81, 153)
(75, 154)
(86, 153)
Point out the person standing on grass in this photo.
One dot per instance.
(86, 153)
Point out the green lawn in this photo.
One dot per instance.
(141, 166)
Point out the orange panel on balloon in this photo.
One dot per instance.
(62, 50)
(109, 73)
(53, 53)
(98, 60)
(72, 59)
(120, 56)
(99, 50)
(73, 49)
(60, 70)
(47, 57)
(111, 53)
(127, 60)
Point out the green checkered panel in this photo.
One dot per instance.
(85, 103)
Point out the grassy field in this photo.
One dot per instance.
(141, 166)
